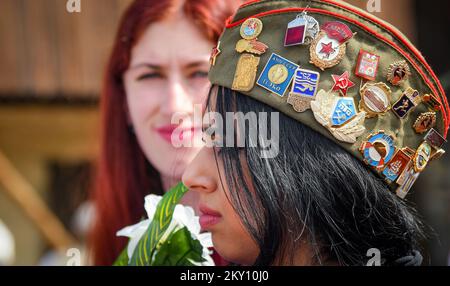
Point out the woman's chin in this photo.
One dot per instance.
(231, 251)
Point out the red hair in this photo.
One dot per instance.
(124, 176)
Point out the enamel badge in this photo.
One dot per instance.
(296, 32)
(277, 74)
(247, 66)
(343, 111)
(244, 78)
(406, 181)
(432, 101)
(375, 99)
(378, 150)
(422, 157)
(398, 72)
(304, 89)
(367, 65)
(437, 154)
(435, 139)
(409, 99)
(329, 47)
(251, 28)
(342, 83)
(302, 30)
(425, 122)
(339, 115)
(398, 164)
(251, 46)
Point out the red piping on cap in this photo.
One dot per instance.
(249, 3)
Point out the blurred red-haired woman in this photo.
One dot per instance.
(158, 67)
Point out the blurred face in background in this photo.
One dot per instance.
(167, 75)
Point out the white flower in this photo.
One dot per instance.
(182, 217)
(7, 245)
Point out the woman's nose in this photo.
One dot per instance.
(200, 176)
(177, 98)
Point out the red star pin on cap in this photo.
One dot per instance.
(327, 49)
(342, 83)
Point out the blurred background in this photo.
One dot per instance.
(51, 67)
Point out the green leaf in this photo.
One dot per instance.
(122, 260)
(180, 249)
(146, 247)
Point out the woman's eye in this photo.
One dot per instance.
(149, 76)
(199, 74)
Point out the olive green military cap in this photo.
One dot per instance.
(344, 73)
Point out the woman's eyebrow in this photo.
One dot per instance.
(146, 65)
(197, 64)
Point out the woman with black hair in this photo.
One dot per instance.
(333, 192)
(313, 204)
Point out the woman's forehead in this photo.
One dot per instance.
(174, 40)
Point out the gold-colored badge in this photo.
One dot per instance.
(437, 154)
(375, 99)
(406, 180)
(245, 76)
(398, 72)
(325, 52)
(278, 74)
(252, 46)
(422, 157)
(339, 115)
(251, 28)
(432, 101)
(299, 103)
(247, 66)
(329, 47)
(425, 122)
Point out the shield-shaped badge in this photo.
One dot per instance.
(344, 110)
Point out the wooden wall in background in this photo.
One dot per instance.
(399, 13)
(44, 50)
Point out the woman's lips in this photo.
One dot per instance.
(166, 132)
(208, 217)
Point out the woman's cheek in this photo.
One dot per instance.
(199, 89)
(243, 250)
(143, 105)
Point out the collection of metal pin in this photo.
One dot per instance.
(334, 109)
